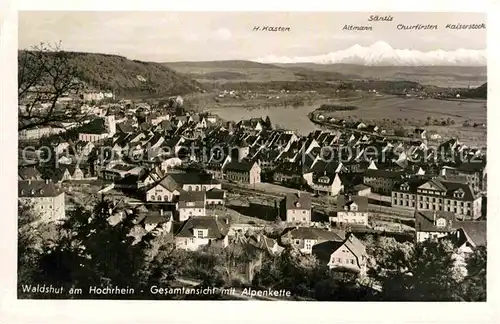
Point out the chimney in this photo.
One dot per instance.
(46, 181)
(29, 181)
(161, 212)
(216, 217)
(298, 193)
(434, 217)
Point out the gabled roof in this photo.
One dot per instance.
(412, 184)
(195, 197)
(193, 178)
(125, 127)
(156, 217)
(239, 166)
(38, 188)
(61, 169)
(425, 221)
(475, 231)
(96, 126)
(324, 250)
(360, 201)
(311, 233)
(215, 194)
(324, 178)
(217, 228)
(383, 174)
(29, 173)
(450, 187)
(299, 200)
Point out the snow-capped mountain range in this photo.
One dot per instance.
(382, 54)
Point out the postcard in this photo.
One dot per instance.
(252, 156)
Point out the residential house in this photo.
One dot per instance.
(381, 181)
(469, 235)
(191, 203)
(211, 118)
(304, 238)
(44, 197)
(196, 232)
(68, 172)
(158, 221)
(420, 133)
(361, 190)
(163, 191)
(119, 171)
(29, 173)
(150, 177)
(325, 183)
(215, 197)
(195, 181)
(242, 171)
(256, 124)
(351, 210)
(433, 224)
(297, 207)
(61, 148)
(347, 254)
(288, 172)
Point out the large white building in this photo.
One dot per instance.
(98, 129)
(44, 197)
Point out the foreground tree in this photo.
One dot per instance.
(45, 74)
(426, 271)
(305, 277)
(89, 251)
(474, 285)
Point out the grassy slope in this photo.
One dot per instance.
(119, 74)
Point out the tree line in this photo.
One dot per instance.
(86, 250)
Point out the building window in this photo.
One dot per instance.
(352, 261)
(339, 260)
(200, 234)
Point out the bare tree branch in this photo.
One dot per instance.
(45, 75)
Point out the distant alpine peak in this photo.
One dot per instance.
(380, 45)
(382, 54)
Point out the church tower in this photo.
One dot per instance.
(110, 124)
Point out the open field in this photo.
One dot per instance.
(223, 71)
(446, 76)
(415, 112)
(237, 71)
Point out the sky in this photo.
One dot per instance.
(206, 36)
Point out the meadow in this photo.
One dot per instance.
(414, 112)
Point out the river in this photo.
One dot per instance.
(295, 119)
